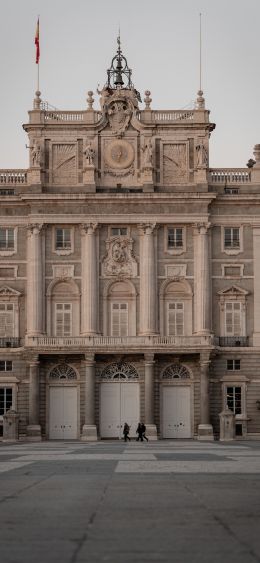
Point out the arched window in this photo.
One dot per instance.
(63, 308)
(175, 371)
(120, 309)
(119, 371)
(62, 371)
(176, 308)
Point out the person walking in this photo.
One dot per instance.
(143, 428)
(139, 432)
(126, 431)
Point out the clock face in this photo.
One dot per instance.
(119, 154)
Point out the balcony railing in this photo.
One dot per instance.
(154, 342)
(232, 341)
(10, 342)
(229, 176)
(13, 177)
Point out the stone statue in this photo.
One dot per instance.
(147, 154)
(202, 155)
(36, 154)
(89, 154)
(118, 252)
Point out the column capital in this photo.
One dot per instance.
(201, 228)
(89, 360)
(35, 228)
(149, 359)
(88, 228)
(147, 228)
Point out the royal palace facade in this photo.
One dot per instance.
(129, 274)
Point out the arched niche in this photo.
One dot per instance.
(115, 293)
(63, 291)
(172, 292)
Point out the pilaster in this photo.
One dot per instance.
(35, 291)
(89, 430)
(34, 428)
(89, 300)
(148, 304)
(151, 430)
(205, 429)
(202, 283)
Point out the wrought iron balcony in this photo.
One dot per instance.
(10, 342)
(232, 341)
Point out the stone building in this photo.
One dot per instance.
(129, 274)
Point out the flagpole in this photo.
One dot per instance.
(200, 51)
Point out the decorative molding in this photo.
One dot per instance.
(175, 271)
(176, 371)
(119, 371)
(63, 271)
(119, 260)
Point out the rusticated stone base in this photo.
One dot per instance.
(34, 433)
(205, 432)
(89, 433)
(151, 432)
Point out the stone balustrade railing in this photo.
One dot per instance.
(120, 342)
(56, 116)
(229, 176)
(13, 177)
(167, 116)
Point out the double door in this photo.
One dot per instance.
(119, 403)
(176, 415)
(63, 413)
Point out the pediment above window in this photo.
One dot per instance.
(233, 291)
(7, 291)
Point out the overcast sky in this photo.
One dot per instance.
(160, 39)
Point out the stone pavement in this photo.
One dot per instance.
(165, 501)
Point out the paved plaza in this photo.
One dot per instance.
(165, 501)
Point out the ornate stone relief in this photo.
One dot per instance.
(62, 371)
(63, 271)
(119, 113)
(176, 270)
(119, 260)
(64, 164)
(174, 162)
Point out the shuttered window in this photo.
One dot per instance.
(233, 319)
(176, 319)
(6, 239)
(119, 319)
(6, 319)
(63, 319)
(6, 399)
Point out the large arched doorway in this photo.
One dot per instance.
(176, 401)
(63, 403)
(119, 400)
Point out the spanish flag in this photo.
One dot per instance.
(37, 41)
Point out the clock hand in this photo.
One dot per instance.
(169, 158)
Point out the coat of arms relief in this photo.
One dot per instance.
(119, 260)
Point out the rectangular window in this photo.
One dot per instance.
(119, 231)
(119, 319)
(6, 239)
(233, 319)
(63, 319)
(234, 398)
(175, 237)
(63, 239)
(6, 365)
(231, 237)
(233, 365)
(6, 320)
(176, 319)
(6, 399)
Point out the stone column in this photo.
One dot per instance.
(89, 277)
(89, 430)
(148, 305)
(35, 289)
(202, 283)
(151, 430)
(205, 430)
(34, 428)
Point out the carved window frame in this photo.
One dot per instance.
(232, 251)
(12, 251)
(175, 251)
(65, 251)
(231, 297)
